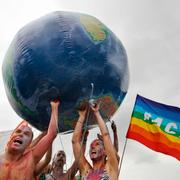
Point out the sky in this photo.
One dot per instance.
(149, 31)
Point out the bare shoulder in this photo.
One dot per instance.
(1, 158)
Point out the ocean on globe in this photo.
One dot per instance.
(69, 56)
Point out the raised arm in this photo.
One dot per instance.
(110, 151)
(116, 144)
(114, 128)
(76, 142)
(71, 172)
(41, 148)
(36, 140)
(43, 163)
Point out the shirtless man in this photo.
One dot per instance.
(58, 168)
(59, 161)
(19, 160)
(98, 151)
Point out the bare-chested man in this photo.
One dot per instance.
(19, 160)
(59, 161)
(98, 151)
(58, 168)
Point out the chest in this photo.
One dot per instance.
(99, 174)
(58, 177)
(20, 170)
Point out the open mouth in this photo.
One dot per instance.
(17, 141)
(93, 152)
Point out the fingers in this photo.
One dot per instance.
(95, 106)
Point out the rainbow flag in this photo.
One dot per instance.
(156, 125)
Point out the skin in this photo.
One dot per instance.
(115, 136)
(58, 168)
(116, 145)
(98, 149)
(44, 162)
(19, 160)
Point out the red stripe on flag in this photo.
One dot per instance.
(154, 137)
(156, 146)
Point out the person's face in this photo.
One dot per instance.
(20, 139)
(96, 150)
(60, 158)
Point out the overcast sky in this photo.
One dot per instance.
(150, 33)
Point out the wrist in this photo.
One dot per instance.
(96, 113)
(79, 121)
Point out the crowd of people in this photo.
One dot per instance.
(23, 156)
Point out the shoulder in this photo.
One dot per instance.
(2, 158)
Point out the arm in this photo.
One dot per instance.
(41, 148)
(76, 142)
(116, 145)
(43, 163)
(110, 152)
(84, 140)
(36, 140)
(113, 126)
(72, 170)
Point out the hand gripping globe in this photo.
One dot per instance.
(66, 55)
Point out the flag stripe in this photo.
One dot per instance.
(155, 137)
(153, 129)
(160, 147)
(162, 110)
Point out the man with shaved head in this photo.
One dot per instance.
(20, 159)
(58, 173)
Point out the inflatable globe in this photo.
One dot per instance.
(68, 56)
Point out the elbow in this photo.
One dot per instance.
(75, 139)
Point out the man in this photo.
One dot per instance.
(19, 160)
(59, 161)
(58, 168)
(98, 151)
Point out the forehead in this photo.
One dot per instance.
(96, 141)
(61, 152)
(23, 128)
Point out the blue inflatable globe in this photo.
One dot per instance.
(66, 55)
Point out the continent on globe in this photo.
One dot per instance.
(61, 55)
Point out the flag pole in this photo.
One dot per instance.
(120, 165)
